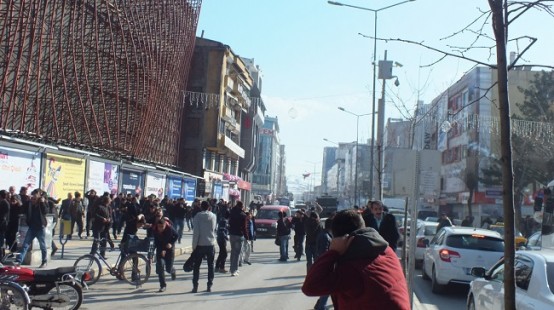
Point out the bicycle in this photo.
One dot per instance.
(12, 295)
(130, 266)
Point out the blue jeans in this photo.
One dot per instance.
(321, 302)
(33, 233)
(179, 225)
(284, 248)
(236, 247)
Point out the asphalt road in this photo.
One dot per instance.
(266, 284)
(453, 299)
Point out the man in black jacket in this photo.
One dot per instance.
(4, 219)
(384, 223)
(237, 234)
(36, 220)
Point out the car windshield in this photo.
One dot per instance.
(268, 214)
(550, 276)
(475, 242)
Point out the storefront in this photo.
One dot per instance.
(174, 188)
(22, 167)
(132, 182)
(189, 185)
(155, 185)
(62, 175)
(103, 177)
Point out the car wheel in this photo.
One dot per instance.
(435, 287)
(470, 303)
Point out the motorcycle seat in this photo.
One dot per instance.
(53, 274)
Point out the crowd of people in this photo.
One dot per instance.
(359, 244)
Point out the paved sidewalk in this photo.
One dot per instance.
(76, 247)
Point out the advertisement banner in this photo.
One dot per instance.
(155, 184)
(63, 174)
(190, 189)
(22, 167)
(103, 177)
(131, 182)
(218, 191)
(174, 187)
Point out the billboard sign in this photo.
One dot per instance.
(103, 177)
(63, 174)
(22, 167)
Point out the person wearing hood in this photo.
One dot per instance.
(360, 270)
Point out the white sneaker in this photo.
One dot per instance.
(234, 274)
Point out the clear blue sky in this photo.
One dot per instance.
(313, 60)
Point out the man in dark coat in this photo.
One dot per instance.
(36, 211)
(4, 219)
(359, 270)
(238, 232)
(384, 223)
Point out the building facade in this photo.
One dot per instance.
(219, 92)
(266, 174)
(87, 74)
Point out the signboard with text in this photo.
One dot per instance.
(22, 167)
(63, 174)
(103, 177)
(131, 182)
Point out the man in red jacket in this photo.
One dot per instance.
(360, 270)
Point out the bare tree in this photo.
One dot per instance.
(502, 13)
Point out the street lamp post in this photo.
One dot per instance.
(375, 11)
(356, 202)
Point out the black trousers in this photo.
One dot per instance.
(200, 252)
(222, 256)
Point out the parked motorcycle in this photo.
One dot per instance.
(58, 288)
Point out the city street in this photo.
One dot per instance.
(453, 299)
(266, 284)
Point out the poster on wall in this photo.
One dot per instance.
(174, 187)
(131, 182)
(63, 174)
(103, 177)
(22, 167)
(155, 184)
(190, 189)
(218, 191)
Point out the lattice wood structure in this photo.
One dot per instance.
(108, 74)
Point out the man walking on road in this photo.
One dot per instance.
(382, 222)
(237, 235)
(36, 220)
(203, 241)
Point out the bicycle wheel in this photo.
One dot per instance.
(70, 295)
(13, 296)
(135, 269)
(88, 263)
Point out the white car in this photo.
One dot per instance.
(455, 250)
(425, 233)
(534, 275)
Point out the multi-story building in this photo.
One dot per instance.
(329, 159)
(265, 178)
(468, 138)
(281, 178)
(252, 122)
(219, 91)
(88, 74)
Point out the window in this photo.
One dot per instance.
(475, 242)
(497, 273)
(524, 270)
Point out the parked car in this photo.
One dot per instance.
(534, 276)
(455, 250)
(431, 219)
(534, 242)
(425, 233)
(266, 219)
(520, 240)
